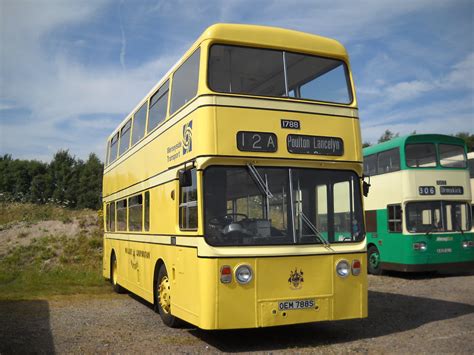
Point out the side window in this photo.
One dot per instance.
(158, 106)
(125, 137)
(139, 122)
(388, 161)
(147, 211)
(370, 165)
(185, 82)
(135, 213)
(188, 204)
(394, 216)
(371, 221)
(111, 217)
(113, 148)
(122, 215)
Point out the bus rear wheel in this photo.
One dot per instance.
(373, 261)
(114, 275)
(163, 298)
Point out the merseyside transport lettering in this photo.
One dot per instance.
(301, 144)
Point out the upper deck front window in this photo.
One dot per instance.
(420, 155)
(452, 156)
(265, 72)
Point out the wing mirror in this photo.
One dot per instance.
(185, 178)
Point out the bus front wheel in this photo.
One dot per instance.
(114, 275)
(373, 258)
(163, 298)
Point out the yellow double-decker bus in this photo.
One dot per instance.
(232, 192)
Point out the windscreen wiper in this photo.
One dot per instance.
(262, 185)
(315, 230)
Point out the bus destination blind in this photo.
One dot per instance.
(316, 145)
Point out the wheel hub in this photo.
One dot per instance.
(114, 272)
(374, 260)
(164, 294)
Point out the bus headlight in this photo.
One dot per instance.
(243, 274)
(343, 268)
(420, 246)
(467, 244)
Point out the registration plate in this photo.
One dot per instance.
(296, 304)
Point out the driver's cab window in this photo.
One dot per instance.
(188, 204)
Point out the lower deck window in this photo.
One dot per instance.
(135, 213)
(188, 204)
(122, 215)
(394, 217)
(281, 206)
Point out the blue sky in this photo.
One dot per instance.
(71, 70)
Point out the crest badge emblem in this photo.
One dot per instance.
(296, 279)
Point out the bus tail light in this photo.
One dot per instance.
(355, 267)
(467, 244)
(419, 246)
(226, 274)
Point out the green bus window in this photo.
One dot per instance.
(125, 137)
(471, 168)
(394, 217)
(147, 211)
(122, 215)
(113, 148)
(158, 106)
(371, 221)
(188, 204)
(370, 165)
(111, 214)
(420, 155)
(452, 156)
(185, 82)
(388, 161)
(135, 213)
(139, 122)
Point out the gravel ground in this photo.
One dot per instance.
(407, 314)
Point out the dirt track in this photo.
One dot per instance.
(416, 314)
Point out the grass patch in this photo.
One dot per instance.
(53, 265)
(27, 212)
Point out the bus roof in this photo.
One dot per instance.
(273, 37)
(412, 138)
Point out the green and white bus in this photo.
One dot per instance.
(418, 215)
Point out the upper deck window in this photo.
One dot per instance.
(388, 161)
(139, 122)
(125, 137)
(471, 168)
(256, 71)
(370, 165)
(185, 82)
(158, 106)
(113, 148)
(452, 156)
(420, 155)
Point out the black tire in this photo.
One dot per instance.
(162, 289)
(113, 275)
(373, 261)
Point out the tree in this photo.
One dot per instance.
(366, 144)
(63, 172)
(388, 135)
(468, 138)
(90, 183)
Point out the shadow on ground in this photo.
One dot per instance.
(25, 327)
(388, 313)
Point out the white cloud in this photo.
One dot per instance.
(58, 89)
